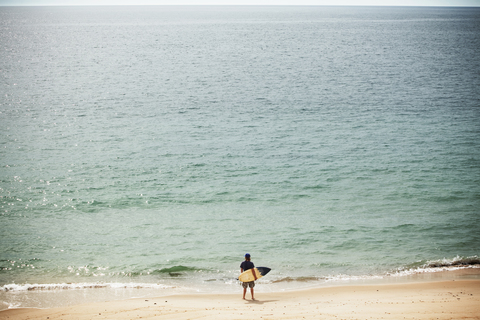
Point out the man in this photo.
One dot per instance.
(244, 266)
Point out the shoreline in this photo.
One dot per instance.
(422, 299)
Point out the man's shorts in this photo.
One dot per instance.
(250, 284)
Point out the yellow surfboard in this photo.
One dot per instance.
(253, 274)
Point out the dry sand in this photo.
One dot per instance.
(453, 299)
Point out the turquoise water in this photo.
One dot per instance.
(144, 150)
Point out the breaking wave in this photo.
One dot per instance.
(75, 286)
(439, 265)
(455, 262)
(420, 267)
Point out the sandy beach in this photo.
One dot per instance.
(452, 299)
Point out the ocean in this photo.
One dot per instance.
(144, 150)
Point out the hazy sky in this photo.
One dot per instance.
(247, 2)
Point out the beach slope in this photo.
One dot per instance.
(456, 299)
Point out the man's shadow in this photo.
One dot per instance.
(260, 301)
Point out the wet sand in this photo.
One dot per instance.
(453, 299)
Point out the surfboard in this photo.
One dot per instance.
(253, 274)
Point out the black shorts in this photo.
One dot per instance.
(250, 284)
